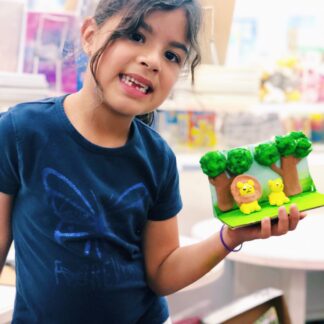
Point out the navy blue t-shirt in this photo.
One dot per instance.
(79, 214)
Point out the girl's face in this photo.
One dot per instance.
(137, 73)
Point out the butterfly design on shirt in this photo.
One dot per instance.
(81, 221)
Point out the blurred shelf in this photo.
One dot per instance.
(21, 87)
(239, 103)
(290, 108)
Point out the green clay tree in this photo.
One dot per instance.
(290, 150)
(221, 171)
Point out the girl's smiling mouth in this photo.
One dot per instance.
(135, 85)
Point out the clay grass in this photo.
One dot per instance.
(235, 218)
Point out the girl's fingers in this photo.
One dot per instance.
(265, 228)
(283, 223)
(294, 216)
(302, 215)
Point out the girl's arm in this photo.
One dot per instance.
(171, 268)
(5, 227)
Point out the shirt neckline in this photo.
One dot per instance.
(80, 139)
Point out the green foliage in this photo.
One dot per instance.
(303, 148)
(295, 143)
(213, 163)
(266, 154)
(286, 145)
(297, 135)
(239, 160)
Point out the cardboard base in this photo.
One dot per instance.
(304, 201)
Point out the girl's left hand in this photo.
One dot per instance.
(285, 223)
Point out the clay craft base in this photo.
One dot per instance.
(246, 182)
(234, 218)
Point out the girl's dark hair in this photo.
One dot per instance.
(133, 15)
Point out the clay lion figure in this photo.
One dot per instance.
(246, 191)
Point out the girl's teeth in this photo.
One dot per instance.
(139, 86)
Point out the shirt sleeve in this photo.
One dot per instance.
(168, 202)
(9, 178)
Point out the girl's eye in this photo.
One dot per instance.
(172, 57)
(137, 37)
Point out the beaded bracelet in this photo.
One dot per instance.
(225, 245)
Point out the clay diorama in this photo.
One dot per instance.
(250, 183)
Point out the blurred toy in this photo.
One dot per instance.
(282, 83)
(310, 85)
(317, 127)
(277, 197)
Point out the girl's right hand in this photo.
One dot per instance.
(285, 223)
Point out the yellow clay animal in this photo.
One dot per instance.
(247, 189)
(277, 197)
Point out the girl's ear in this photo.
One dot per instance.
(88, 30)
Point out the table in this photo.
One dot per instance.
(281, 262)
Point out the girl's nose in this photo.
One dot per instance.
(151, 62)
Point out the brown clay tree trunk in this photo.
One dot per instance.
(222, 186)
(290, 175)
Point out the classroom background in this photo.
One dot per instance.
(262, 75)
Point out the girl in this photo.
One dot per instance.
(90, 193)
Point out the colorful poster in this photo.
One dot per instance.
(188, 129)
(50, 49)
